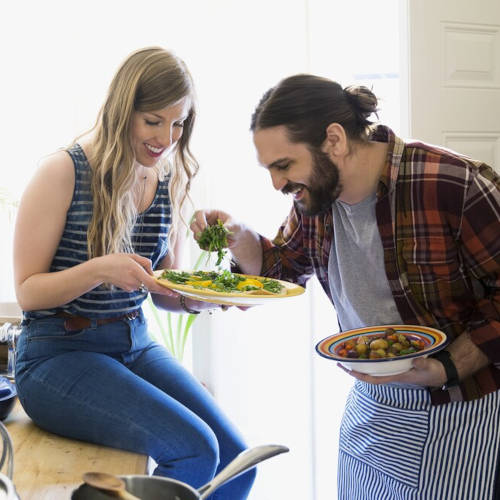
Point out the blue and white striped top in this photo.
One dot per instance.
(149, 239)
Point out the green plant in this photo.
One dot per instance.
(173, 327)
(174, 338)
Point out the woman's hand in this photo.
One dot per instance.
(130, 272)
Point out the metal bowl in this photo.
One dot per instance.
(143, 487)
(162, 488)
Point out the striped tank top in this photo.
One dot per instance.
(149, 239)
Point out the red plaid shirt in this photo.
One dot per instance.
(438, 214)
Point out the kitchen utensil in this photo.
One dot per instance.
(7, 489)
(162, 488)
(108, 482)
(9, 334)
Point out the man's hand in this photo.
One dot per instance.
(426, 372)
(243, 242)
(429, 372)
(204, 218)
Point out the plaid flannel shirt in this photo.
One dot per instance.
(438, 214)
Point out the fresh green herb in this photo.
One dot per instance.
(410, 350)
(223, 281)
(226, 281)
(249, 288)
(214, 239)
(176, 277)
(272, 286)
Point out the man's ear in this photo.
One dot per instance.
(335, 144)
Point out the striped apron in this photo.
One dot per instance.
(395, 445)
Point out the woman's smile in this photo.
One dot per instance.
(154, 152)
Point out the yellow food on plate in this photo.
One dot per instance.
(248, 283)
(204, 284)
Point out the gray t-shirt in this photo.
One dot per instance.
(356, 268)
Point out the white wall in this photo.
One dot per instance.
(261, 364)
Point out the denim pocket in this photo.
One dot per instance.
(386, 437)
(51, 329)
(47, 337)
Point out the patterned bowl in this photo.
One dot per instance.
(434, 340)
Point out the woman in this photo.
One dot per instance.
(102, 215)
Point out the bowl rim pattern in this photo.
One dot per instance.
(325, 346)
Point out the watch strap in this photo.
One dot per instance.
(444, 357)
(182, 301)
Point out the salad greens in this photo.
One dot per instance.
(214, 239)
(223, 281)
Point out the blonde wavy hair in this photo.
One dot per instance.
(149, 79)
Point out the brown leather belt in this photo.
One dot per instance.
(73, 322)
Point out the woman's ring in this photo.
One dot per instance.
(142, 288)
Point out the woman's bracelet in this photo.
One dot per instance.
(182, 301)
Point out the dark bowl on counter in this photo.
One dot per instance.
(8, 394)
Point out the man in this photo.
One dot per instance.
(397, 232)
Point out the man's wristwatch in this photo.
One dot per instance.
(451, 370)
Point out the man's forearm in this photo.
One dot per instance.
(468, 358)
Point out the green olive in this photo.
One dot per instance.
(396, 347)
(379, 344)
(403, 340)
(361, 348)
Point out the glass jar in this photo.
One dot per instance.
(9, 333)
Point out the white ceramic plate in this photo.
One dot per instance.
(234, 298)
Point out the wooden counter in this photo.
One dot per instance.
(49, 467)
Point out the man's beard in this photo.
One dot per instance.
(324, 185)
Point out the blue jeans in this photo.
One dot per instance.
(112, 385)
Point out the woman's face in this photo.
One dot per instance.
(155, 133)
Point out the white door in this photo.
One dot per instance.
(454, 75)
